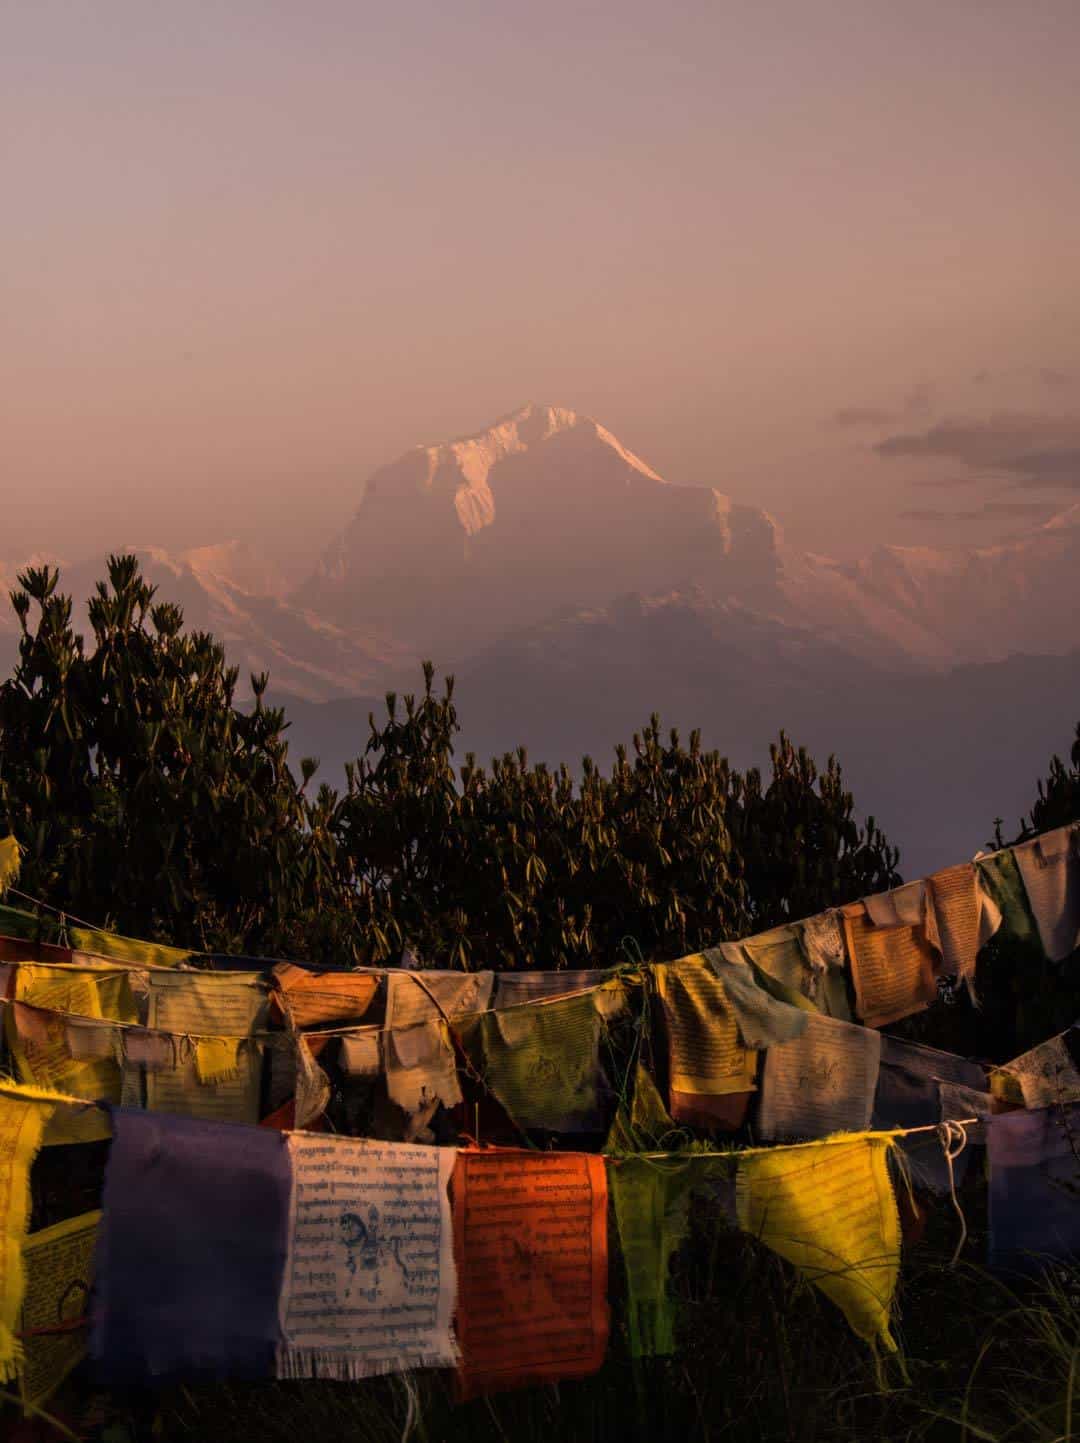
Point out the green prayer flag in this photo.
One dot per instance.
(542, 1062)
(652, 1210)
(1001, 878)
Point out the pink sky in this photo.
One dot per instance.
(254, 250)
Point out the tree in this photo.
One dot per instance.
(147, 796)
(1058, 800)
(142, 793)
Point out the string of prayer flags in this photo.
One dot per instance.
(711, 1072)
(307, 999)
(370, 1284)
(552, 1077)
(191, 1250)
(893, 964)
(207, 1005)
(1047, 1074)
(54, 1321)
(909, 1095)
(1034, 1187)
(530, 1237)
(820, 1082)
(1050, 868)
(22, 1124)
(829, 1208)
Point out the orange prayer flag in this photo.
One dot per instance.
(530, 1242)
(893, 968)
(308, 998)
(955, 893)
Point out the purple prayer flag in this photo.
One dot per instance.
(1034, 1187)
(191, 1249)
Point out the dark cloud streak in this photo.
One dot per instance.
(1033, 450)
(864, 416)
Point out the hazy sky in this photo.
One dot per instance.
(813, 253)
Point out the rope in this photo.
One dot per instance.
(953, 1137)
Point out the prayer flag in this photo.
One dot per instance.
(1050, 868)
(909, 1095)
(307, 999)
(207, 1005)
(711, 1071)
(550, 1078)
(191, 1251)
(829, 1208)
(530, 1234)
(821, 1082)
(652, 1209)
(55, 1318)
(1047, 1074)
(893, 967)
(22, 1123)
(420, 1063)
(966, 917)
(44, 1057)
(370, 1282)
(824, 946)
(1034, 1187)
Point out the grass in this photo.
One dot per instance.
(763, 1358)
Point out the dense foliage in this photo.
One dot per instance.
(147, 797)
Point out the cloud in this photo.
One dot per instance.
(1049, 376)
(990, 511)
(1033, 449)
(919, 401)
(864, 416)
(1019, 508)
(922, 514)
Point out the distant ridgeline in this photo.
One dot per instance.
(435, 1169)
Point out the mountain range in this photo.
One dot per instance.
(573, 590)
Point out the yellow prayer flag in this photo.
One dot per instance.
(10, 861)
(828, 1207)
(22, 1122)
(58, 1262)
(46, 1060)
(217, 1058)
(706, 1054)
(127, 949)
